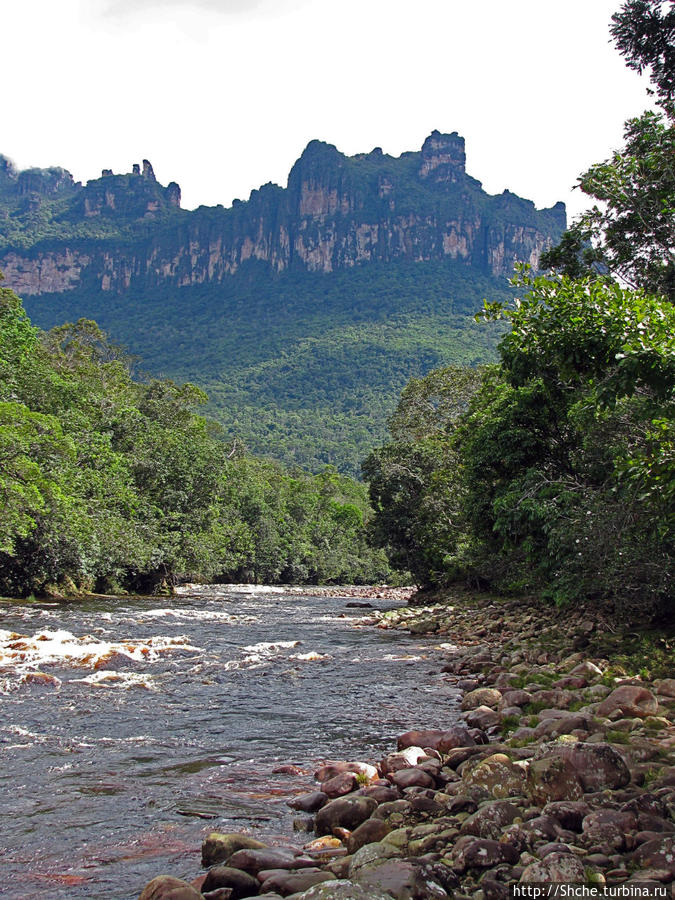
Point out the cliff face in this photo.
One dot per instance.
(122, 232)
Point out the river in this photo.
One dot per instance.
(132, 727)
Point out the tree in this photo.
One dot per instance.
(644, 33)
(630, 232)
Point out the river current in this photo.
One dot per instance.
(131, 728)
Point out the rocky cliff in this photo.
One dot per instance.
(127, 232)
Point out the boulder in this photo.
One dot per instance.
(552, 778)
(219, 846)
(414, 777)
(629, 700)
(598, 766)
(496, 774)
(240, 883)
(485, 696)
(286, 883)
(436, 739)
(556, 868)
(339, 785)
(490, 819)
(254, 861)
(345, 812)
(665, 687)
(330, 770)
(166, 887)
(609, 827)
(657, 854)
(482, 717)
(515, 698)
(402, 759)
(343, 890)
(369, 832)
(481, 853)
(308, 802)
(569, 813)
(399, 879)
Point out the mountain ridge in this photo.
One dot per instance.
(303, 310)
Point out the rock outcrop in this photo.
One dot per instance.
(127, 231)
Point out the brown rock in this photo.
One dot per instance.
(240, 883)
(371, 831)
(482, 717)
(480, 853)
(552, 778)
(496, 774)
(345, 812)
(286, 883)
(414, 777)
(597, 766)
(609, 827)
(308, 802)
(657, 854)
(219, 846)
(165, 887)
(437, 739)
(489, 697)
(339, 785)
(569, 813)
(629, 700)
(490, 819)
(556, 868)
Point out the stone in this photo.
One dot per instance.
(569, 813)
(286, 883)
(166, 887)
(219, 846)
(556, 868)
(345, 812)
(587, 669)
(330, 770)
(436, 739)
(482, 717)
(339, 785)
(629, 700)
(399, 879)
(665, 687)
(343, 890)
(369, 832)
(254, 861)
(490, 819)
(609, 827)
(414, 777)
(657, 854)
(241, 883)
(380, 793)
(485, 696)
(402, 759)
(597, 766)
(496, 774)
(481, 853)
(552, 778)
(308, 802)
(515, 698)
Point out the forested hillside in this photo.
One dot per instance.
(302, 311)
(111, 483)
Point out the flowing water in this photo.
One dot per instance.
(131, 728)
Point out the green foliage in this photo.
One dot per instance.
(414, 482)
(644, 33)
(301, 367)
(113, 483)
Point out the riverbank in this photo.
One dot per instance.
(563, 769)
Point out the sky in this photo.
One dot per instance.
(223, 95)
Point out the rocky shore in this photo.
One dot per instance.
(561, 770)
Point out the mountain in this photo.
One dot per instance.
(303, 310)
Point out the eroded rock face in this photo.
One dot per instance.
(336, 212)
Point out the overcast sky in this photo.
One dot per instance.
(223, 95)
